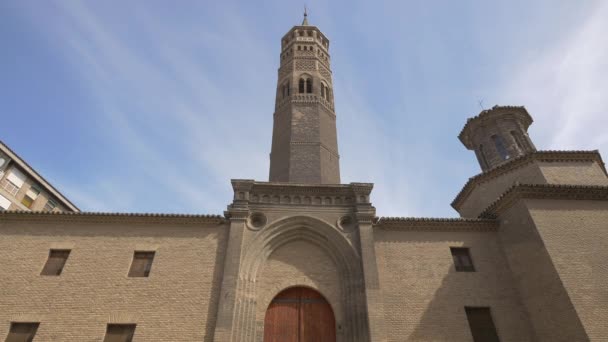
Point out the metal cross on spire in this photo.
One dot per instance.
(305, 21)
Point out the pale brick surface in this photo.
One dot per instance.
(176, 303)
(424, 297)
(580, 173)
(575, 235)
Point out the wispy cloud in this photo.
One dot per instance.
(565, 86)
(187, 130)
(183, 98)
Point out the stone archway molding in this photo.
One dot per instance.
(328, 238)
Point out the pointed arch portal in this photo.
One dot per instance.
(299, 314)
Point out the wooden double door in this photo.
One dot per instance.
(299, 314)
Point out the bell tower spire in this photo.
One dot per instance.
(304, 139)
(305, 21)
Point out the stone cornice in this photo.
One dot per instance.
(435, 224)
(515, 163)
(519, 112)
(544, 191)
(95, 217)
(293, 194)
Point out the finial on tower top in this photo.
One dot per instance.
(305, 21)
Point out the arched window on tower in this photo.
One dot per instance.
(309, 86)
(518, 140)
(500, 147)
(285, 89)
(301, 86)
(482, 158)
(323, 91)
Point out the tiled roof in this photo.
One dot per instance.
(436, 224)
(111, 215)
(545, 191)
(523, 160)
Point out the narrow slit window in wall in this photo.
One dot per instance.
(481, 324)
(142, 264)
(462, 259)
(56, 261)
(119, 333)
(22, 332)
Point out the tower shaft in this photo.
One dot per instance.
(304, 139)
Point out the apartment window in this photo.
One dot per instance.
(481, 324)
(10, 187)
(119, 333)
(142, 264)
(50, 205)
(13, 181)
(22, 332)
(30, 196)
(57, 259)
(462, 259)
(5, 203)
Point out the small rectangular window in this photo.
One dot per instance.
(481, 324)
(142, 264)
(57, 259)
(30, 196)
(9, 186)
(22, 332)
(462, 259)
(5, 203)
(50, 205)
(119, 333)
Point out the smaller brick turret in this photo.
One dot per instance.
(498, 135)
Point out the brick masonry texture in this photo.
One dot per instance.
(177, 302)
(424, 297)
(574, 235)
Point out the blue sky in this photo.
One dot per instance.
(153, 106)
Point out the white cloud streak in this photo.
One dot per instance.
(192, 104)
(565, 87)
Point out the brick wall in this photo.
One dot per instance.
(424, 297)
(574, 234)
(176, 303)
(551, 313)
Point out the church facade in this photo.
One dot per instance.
(303, 257)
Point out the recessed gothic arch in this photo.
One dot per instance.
(324, 236)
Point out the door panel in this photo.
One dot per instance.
(299, 315)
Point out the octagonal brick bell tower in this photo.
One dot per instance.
(304, 141)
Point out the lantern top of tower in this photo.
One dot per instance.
(518, 113)
(305, 33)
